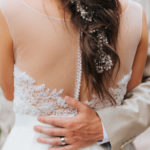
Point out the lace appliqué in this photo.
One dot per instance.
(117, 93)
(33, 99)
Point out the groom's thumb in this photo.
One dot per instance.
(74, 103)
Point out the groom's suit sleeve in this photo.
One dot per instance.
(123, 123)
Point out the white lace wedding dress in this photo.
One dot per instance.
(44, 72)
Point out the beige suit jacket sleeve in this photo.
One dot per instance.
(125, 122)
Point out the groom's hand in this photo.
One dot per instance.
(79, 131)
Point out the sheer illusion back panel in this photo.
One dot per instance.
(129, 37)
(46, 51)
(43, 46)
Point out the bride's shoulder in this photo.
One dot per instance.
(130, 5)
(7, 4)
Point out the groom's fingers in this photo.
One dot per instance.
(52, 131)
(67, 147)
(78, 105)
(55, 121)
(54, 141)
(51, 141)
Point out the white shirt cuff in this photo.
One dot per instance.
(105, 137)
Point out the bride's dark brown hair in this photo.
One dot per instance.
(108, 19)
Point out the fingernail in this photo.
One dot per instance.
(38, 139)
(35, 128)
(39, 118)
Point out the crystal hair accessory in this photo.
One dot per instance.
(103, 61)
(83, 10)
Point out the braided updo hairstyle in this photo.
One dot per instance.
(106, 18)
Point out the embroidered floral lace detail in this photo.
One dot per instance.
(33, 99)
(117, 93)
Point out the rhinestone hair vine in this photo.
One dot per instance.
(83, 10)
(103, 61)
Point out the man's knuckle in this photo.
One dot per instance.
(65, 124)
(51, 121)
(57, 142)
(85, 108)
(70, 125)
(71, 133)
(75, 139)
(51, 132)
(40, 130)
(46, 119)
(75, 103)
(63, 148)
